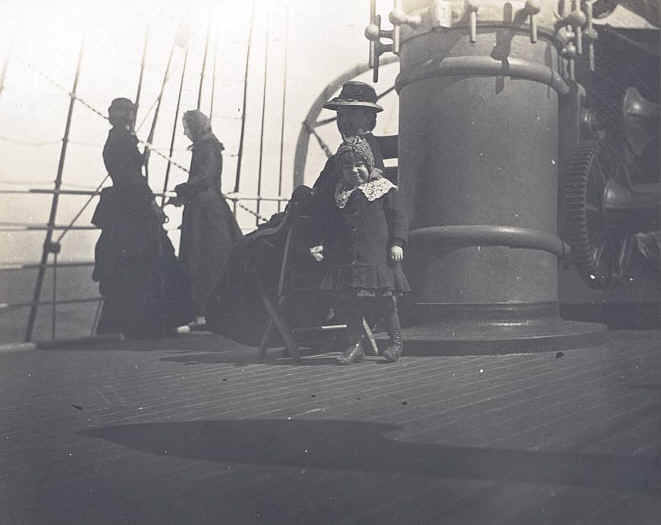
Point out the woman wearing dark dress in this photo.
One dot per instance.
(209, 229)
(145, 292)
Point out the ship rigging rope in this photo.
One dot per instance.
(146, 144)
(80, 212)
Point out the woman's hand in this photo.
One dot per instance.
(317, 253)
(396, 253)
(158, 212)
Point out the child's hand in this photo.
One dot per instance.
(396, 253)
(317, 253)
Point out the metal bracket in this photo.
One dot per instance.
(532, 8)
(374, 34)
(573, 27)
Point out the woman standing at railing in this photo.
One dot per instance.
(145, 291)
(209, 229)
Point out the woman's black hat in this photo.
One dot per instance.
(355, 94)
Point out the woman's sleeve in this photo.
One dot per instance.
(209, 164)
(398, 224)
(317, 230)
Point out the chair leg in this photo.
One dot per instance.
(263, 344)
(368, 337)
(282, 327)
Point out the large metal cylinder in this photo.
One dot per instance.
(478, 166)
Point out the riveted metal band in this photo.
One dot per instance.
(471, 66)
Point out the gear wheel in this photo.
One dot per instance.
(595, 247)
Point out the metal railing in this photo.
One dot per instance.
(52, 246)
(236, 198)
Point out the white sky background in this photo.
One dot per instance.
(325, 38)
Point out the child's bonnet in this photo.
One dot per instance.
(376, 185)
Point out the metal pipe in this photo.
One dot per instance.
(174, 128)
(237, 181)
(64, 192)
(8, 226)
(10, 306)
(50, 192)
(10, 267)
(436, 238)
(261, 129)
(53, 211)
(93, 193)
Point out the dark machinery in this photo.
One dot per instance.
(604, 205)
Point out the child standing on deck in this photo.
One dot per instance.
(363, 243)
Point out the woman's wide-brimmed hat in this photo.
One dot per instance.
(355, 94)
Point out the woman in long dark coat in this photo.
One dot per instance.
(209, 229)
(145, 292)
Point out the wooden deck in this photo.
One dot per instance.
(192, 430)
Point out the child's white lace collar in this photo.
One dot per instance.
(374, 189)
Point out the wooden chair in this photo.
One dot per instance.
(286, 289)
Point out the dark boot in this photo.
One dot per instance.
(353, 354)
(394, 349)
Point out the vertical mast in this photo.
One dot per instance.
(213, 79)
(150, 137)
(204, 62)
(245, 96)
(174, 127)
(5, 65)
(142, 71)
(261, 132)
(49, 246)
(284, 103)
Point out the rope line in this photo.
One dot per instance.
(146, 144)
(151, 108)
